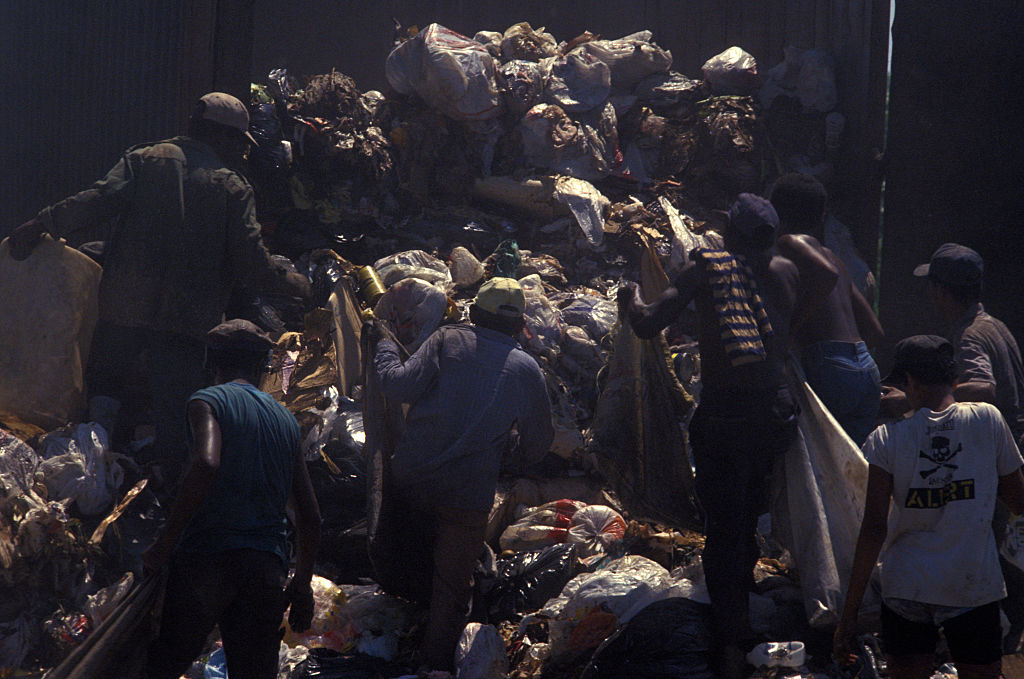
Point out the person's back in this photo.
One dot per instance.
(830, 331)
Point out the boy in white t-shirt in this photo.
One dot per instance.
(942, 469)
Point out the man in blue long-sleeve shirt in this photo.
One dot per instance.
(467, 386)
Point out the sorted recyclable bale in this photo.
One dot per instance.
(734, 71)
(413, 264)
(523, 42)
(583, 144)
(629, 59)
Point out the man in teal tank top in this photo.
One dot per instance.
(225, 538)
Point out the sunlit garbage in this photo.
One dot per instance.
(480, 653)
(734, 71)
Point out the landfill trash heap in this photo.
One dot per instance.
(570, 166)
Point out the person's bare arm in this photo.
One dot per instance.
(818, 276)
(1011, 491)
(873, 530)
(196, 484)
(306, 515)
(647, 320)
(868, 326)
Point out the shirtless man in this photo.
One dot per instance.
(833, 337)
(746, 417)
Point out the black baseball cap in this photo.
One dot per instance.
(239, 335)
(954, 265)
(928, 358)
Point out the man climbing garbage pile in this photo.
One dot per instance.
(467, 386)
(225, 537)
(182, 234)
(933, 482)
(835, 358)
(745, 299)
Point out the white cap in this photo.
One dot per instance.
(227, 110)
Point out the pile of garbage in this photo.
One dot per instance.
(570, 166)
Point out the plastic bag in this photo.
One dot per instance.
(524, 83)
(415, 309)
(585, 145)
(480, 653)
(543, 330)
(522, 42)
(78, 466)
(596, 527)
(326, 663)
(329, 628)
(807, 75)
(578, 82)
(541, 526)
(490, 40)
(101, 604)
(527, 580)
(630, 58)
(818, 502)
(587, 205)
(665, 92)
(413, 264)
(18, 464)
(466, 269)
(450, 72)
(597, 314)
(731, 72)
(669, 638)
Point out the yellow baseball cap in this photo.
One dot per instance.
(502, 297)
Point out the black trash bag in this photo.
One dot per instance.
(670, 639)
(325, 663)
(526, 581)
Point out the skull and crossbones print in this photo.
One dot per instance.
(941, 454)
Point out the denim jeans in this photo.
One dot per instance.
(845, 378)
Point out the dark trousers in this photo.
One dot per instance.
(736, 440)
(242, 592)
(173, 366)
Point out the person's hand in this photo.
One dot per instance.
(894, 402)
(842, 649)
(372, 331)
(300, 599)
(25, 238)
(625, 296)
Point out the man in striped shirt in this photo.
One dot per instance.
(745, 299)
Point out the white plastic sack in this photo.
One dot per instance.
(480, 653)
(594, 528)
(413, 264)
(450, 72)
(586, 203)
(579, 81)
(543, 526)
(731, 72)
(466, 269)
(807, 75)
(818, 503)
(491, 40)
(414, 308)
(543, 330)
(630, 58)
(79, 466)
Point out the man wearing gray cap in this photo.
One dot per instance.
(181, 232)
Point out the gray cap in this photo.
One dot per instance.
(240, 335)
(227, 110)
(953, 264)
